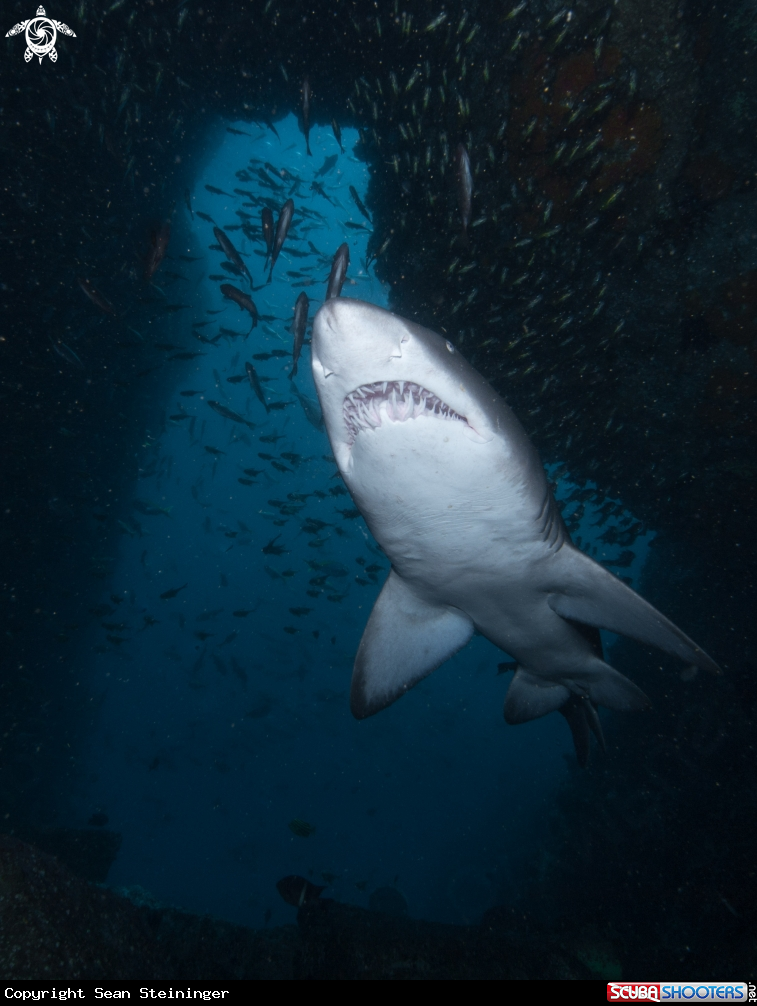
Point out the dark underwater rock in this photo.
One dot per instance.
(388, 900)
(343, 942)
(89, 854)
(53, 925)
(201, 948)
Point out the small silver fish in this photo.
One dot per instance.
(464, 186)
(231, 253)
(298, 328)
(306, 95)
(282, 229)
(338, 271)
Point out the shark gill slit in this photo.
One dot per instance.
(401, 400)
(551, 527)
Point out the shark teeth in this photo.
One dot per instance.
(397, 400)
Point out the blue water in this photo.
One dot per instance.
(212, 731)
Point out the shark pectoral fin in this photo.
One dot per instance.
(405, 639)
(587, 592)
(530, 697)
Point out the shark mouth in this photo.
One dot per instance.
(365, 407)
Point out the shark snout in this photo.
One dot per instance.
(334, 316)
(349, 338)
(328, 315)
(330, 330)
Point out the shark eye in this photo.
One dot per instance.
(405, 338)
(450, 347)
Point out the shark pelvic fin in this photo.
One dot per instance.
(530, 697)
(406, 638)
(576, 698)
(587, 592)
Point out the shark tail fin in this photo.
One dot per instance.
(587, 592)
(406, 638)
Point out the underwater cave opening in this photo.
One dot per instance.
(222, 747)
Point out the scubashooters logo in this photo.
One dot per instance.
(41, 35)
(680, 992)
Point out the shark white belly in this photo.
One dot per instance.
(455, 494)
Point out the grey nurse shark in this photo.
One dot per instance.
(452, 489)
